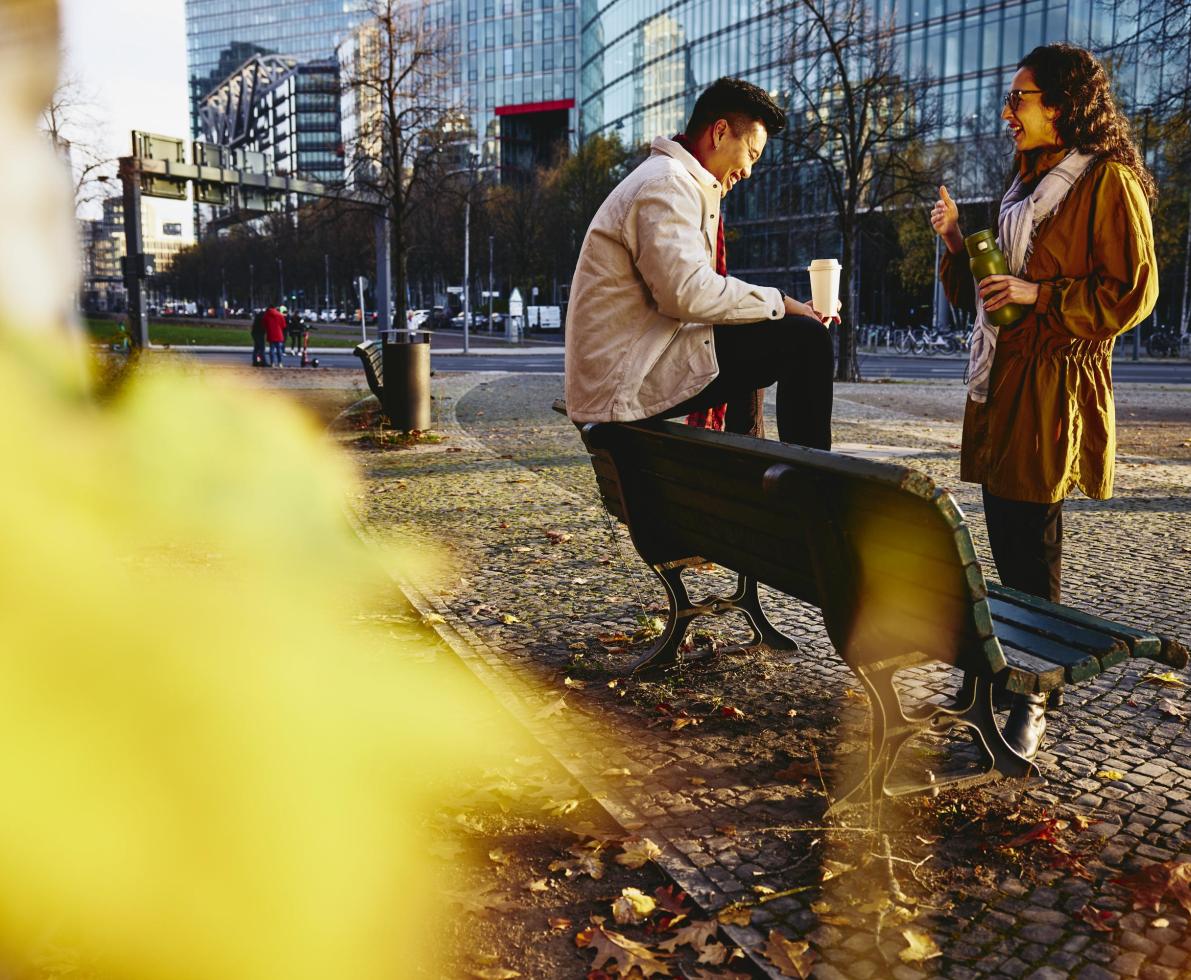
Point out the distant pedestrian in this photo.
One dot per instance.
(258, 339)
(274, 321)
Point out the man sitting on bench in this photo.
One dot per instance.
(656, 327)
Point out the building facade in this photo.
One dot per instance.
(103, 246)
(641, 71)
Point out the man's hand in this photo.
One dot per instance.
(998, 291)
(944, 218)
(795, 308)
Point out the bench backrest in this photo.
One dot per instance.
(370, 353)
(881, 550)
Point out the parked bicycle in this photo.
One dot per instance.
(1163, 342)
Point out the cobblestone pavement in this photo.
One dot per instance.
(729, 766)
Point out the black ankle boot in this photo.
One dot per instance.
(1026, 724)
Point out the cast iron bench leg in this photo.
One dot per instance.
(748, 602)
(892, 728)
(665, 653)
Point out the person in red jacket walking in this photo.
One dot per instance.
(274, 323)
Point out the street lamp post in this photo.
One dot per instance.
(281, 281)
(466, 270)
(491, 238)
(252, 287)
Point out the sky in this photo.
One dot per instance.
(130, 59)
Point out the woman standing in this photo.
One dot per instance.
(1075, 230)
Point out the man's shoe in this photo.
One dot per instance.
(1026, 724)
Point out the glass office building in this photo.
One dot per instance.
(222, 34)
(643, 65)
(517, 75)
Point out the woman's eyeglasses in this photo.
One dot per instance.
(1013, 97)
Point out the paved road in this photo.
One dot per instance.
(872, 366)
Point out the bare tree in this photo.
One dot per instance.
(68, 120)
(403, 123)
(862, 122)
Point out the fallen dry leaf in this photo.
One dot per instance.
(701, 974)
(587, 864)
(694, 934)
(833, 869)
(798, 771)
(499, 855)
(1098, 919)
(672, 899)
(622, 771)
(715, 953)
(612, 947)
(793, 959)
(538, 885)
(1160, 924)
(735, 914)
(678, 724)
(509, 619)
(551, 709)
(478, 902)
(560, 808)
(696, 780)
(576, 684)
(1169, 679)
(558, 537)
(1171, 709)
(638, 852)
(921, 946)
(1111, 774)
(633, 907)
(1151, 884)
(493, 972)
(558, 923)
(431, 618)
(727, 711)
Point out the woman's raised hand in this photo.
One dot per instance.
(944, 218)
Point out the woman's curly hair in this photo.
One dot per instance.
(1089, 119)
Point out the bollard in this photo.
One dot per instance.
(405, 383)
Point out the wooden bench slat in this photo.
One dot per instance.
(1108, 649)
(1140, 644)
(1027, 674)
(1078, 664)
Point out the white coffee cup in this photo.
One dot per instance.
(824, 285)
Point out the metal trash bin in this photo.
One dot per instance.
(405, 384)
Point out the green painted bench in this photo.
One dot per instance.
(371, 353)
(880, 549)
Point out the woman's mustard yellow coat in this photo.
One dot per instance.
(1050, 423)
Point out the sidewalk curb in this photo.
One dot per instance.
(510, 692)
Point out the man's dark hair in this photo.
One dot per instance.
(739, 102)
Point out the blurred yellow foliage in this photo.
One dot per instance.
(205, 771)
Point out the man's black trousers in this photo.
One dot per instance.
(795, 354)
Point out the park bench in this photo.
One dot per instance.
(371, 354)
(882, 551)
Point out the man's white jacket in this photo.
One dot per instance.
(645, 293)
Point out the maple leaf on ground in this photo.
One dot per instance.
(793, 959)
(1171, 709)
(588, 864)
(612, 947)
(1110, 774)
(1169, 679)
(798, 771)
(694, 934)
(509, 619)
(560, 808)
(633, 907)
(921, 946)
(551, 709)
(1098, 919)
(1151, 884)
(727, 711)
(1046, 830)
(735, 914)
(638, 852)
(672, 899)
(678, 724)
(716, 953)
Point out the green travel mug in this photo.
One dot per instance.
(986, 259)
